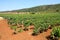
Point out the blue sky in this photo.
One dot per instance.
(19, 4)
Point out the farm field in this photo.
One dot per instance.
(30, 26)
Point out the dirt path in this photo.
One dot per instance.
(6, 33)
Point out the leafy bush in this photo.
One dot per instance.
(20, 30)
(14, 28)
(56, 32)
(26, 24)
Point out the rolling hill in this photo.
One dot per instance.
(42, 8)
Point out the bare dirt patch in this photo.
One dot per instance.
(6, 33)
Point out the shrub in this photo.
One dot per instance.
(26, 24)
(13, 27)
(56, 32)
(20, 30)
(32, 13)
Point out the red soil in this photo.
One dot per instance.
(6, 33)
